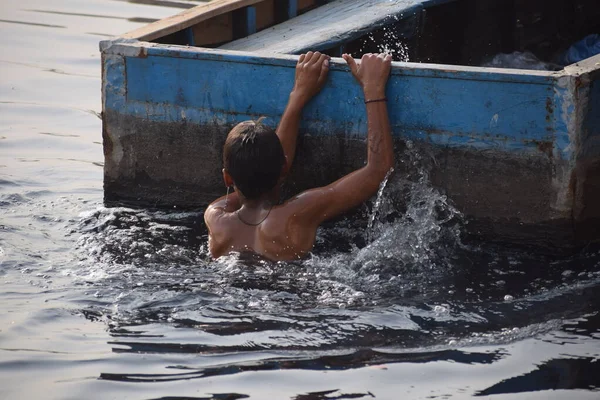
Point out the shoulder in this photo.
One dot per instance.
(212, 213)
(219, 220)
(221, 207)
(308, 206)
(219, 229)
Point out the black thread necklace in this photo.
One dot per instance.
(253, 224)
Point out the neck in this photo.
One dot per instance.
(254, 212)
(266, 201)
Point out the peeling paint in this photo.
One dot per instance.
(546, 148)
(572, 95)
(494, 121)
(143, 53)
(126, 47)
(564, 128)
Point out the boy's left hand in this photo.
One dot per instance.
(311, 74)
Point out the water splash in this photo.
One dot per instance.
(377, 204)
(413, 216)
(386, 40)
(411, 233)
(393, 45)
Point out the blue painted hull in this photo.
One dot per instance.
(541, 128)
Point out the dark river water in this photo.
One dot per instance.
(115, 303)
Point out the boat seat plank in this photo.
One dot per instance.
(329, 25)
(188, 18)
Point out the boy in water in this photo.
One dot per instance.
(256, 159)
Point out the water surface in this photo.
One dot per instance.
(119, 303)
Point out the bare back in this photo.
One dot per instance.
(283, 235)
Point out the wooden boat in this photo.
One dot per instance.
(517, 150)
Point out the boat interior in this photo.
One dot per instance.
(456, 32)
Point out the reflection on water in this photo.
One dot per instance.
(32, 24)
(556, 374)
(168, 3)
(133, 19)
(114, 302)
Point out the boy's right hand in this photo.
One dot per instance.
(372, 73)
(311, 74)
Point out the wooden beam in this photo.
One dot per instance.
(265, 14)
(244, 22)
(214, 31)
(189, 32)
(187, 19)
(302, 5)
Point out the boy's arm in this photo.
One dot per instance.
(311, 73)
(320, 204)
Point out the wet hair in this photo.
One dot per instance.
(253, 157)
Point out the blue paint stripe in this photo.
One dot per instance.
(468, 112)
(251, 20)
(563, 110)
(114, 82)
(292, 8)
(356, 130)
(189, 33)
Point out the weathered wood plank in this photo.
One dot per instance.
(168, 3)
(188, 18)
(214, 31)
(304, 4)
(330, 25)
(265, 14)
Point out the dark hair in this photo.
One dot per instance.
(253, 156)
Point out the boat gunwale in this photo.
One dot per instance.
(141, 49)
